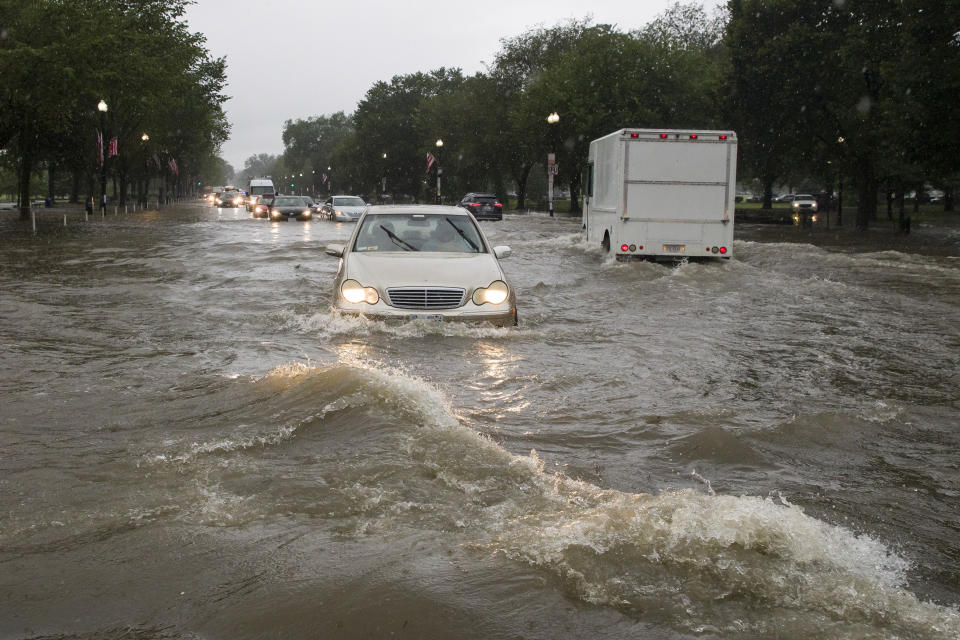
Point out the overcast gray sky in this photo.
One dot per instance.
(289, 59)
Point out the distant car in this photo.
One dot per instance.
(483, 206)
(286, 207)
(804, 208)
(426, 262)
(343, 208)
(804, 202)
(786, 197)
(261, 206)
(229, 199)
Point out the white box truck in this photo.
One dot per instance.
(662, 194)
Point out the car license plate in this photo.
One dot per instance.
(432, 317)
(674, 248)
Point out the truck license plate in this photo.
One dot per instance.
(674, 248)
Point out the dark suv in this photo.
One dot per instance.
(483, 206)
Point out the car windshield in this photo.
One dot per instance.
(485, 199)
(289, 201)
(418, 232)
(351, 201)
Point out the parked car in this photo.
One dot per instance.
(483, 206)
(427, 262)
(343, 208)
(286, 207)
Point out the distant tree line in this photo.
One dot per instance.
(859, 92)
(60, 58)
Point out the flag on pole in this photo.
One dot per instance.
(156, 160)
(114, 144)
(430, 161)
(100, 147)
(173, 166)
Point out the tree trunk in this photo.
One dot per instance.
(51, 185)
(26, 168)
(75, 187)
(522, 186)
(767, 192)
(867, 186)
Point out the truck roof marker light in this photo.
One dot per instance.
(723, 137)
(634, 135)
(693, 136)
(663, 136)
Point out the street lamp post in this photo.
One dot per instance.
(840, 140)
(102, 108)
(552, 119)
(146, 169)
(439, 169)
(383, 188)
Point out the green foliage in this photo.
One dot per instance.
(59, 58)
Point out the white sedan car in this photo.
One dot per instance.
(344, 208)
(423, 262)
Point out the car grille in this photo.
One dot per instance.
(425, 297)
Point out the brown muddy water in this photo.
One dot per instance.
(193, 445)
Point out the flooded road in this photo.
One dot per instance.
(193, 445)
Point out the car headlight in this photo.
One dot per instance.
(305, 213)
(275, 213)
(795, 205)
(496, 293)
(353, 291)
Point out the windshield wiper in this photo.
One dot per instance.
(397, 240)
(463, 235)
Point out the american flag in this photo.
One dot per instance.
(323, 178)
(173, 166)
(430, 161)
(100, 147)
(114, 144)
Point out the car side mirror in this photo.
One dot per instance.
(335, 250)
(502, 251)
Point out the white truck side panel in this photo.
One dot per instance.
(665, 193)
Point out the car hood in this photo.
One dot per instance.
(354, 211)
(411, 269)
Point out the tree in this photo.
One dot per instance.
(60, 57)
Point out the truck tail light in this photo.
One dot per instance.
(624, 247)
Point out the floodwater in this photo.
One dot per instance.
(193, 445)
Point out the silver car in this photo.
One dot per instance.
(424, 262)
(344, 208)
